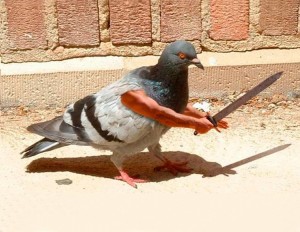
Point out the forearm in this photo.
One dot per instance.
(140, 103)
(191, 111)
(170, 118)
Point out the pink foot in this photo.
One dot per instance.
(129, 180)
(174, 168)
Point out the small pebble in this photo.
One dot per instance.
(263, 125)
(66, 181)
(271, 106)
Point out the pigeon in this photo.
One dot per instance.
(131, 114)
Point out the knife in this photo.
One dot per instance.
(242, 100)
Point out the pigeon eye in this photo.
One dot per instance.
(181, 55)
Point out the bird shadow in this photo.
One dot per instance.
(141, 165)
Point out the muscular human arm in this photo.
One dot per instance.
(191, 111)
(139, 102)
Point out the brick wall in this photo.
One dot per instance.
(43, 30)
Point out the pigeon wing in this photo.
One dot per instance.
(56, 129)
(106, 120)
(99, 119)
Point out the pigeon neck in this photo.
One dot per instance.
(169, 72)
(169, 86)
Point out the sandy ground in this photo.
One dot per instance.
(246, 178)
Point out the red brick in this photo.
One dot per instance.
(229, 19)
(180, 20)
(78, 23)
(279, 17)
(130, 21)
(26, 29)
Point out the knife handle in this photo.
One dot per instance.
(212, 120)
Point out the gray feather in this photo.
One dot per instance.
(40, 146)
(101, 120)
(57, 130)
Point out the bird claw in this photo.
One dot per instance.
(129, 180)
(173, 167)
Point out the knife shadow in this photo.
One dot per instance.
(141, 165)
(224, 170)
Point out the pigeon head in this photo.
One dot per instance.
(180, 54)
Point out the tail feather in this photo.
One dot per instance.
(40, 146)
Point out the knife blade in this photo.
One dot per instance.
(243, 99)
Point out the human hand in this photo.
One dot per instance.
(222, 124)
(202, 126)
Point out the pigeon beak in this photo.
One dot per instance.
(197, 62)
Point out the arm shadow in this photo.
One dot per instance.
(141, 164)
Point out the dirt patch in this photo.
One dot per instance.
(258, 154)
